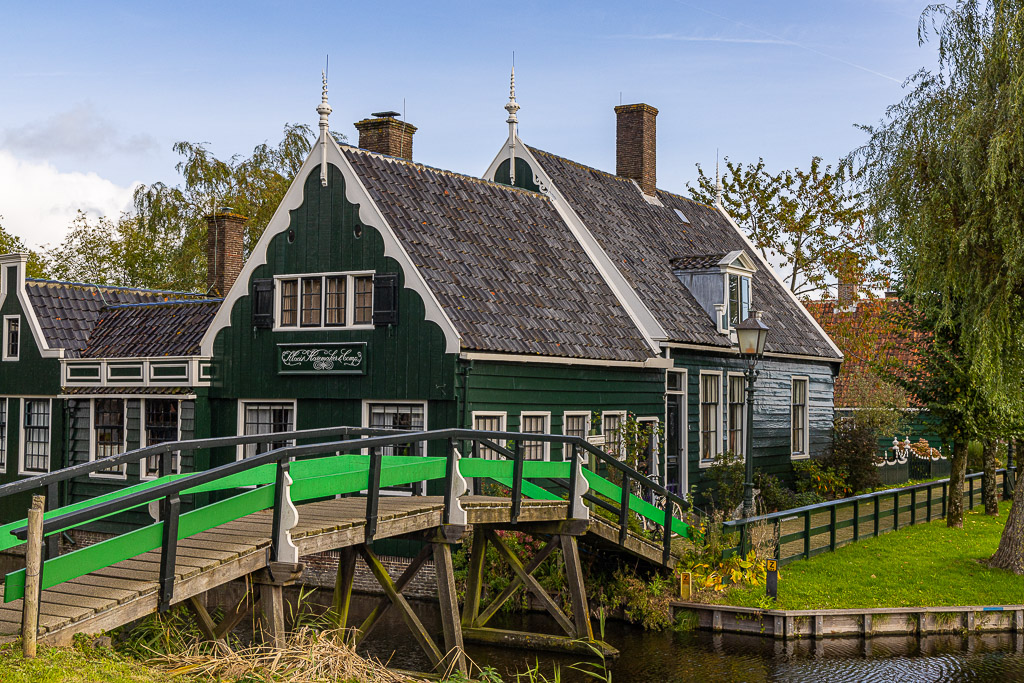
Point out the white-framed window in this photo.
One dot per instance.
(264, 417)
(738, 298)
(409, 415)
(108, 434)
(652, 452)
(710, 416)
(677, 432)
(799, 432)
(161, 422)
(489, 421)
(324, 300)
(576, 423)
(537, 422)
(35, 436)
(12, 337)
(736, 415)
(3, 434)
(612, 422)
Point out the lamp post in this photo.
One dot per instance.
(750, 338)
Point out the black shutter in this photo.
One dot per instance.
(385, 299)
(263, 303)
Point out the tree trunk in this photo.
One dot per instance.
(988, 488)
(955, 505)
(1010, 554)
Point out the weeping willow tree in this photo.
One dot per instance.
(944, 171)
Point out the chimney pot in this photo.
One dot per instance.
(225, 243)
(385, 134)
(636, 145)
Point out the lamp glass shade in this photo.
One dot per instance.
(751, 337)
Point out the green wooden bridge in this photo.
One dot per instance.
(270, 510)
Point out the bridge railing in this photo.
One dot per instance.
(271, 485)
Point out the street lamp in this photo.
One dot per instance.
(750, 338)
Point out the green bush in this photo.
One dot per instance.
(774, 494)
(814, 476)
(855, 451)
(726, 474)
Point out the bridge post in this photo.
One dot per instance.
(343, 586)
(272, 581)
(448, 596)
(577, 589)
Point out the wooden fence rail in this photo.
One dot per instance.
(811, 530)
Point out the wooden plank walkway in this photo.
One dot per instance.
(123, 592)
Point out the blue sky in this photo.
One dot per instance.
(95, 94)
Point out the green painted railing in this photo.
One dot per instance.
(282, 477)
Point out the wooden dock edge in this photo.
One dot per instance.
(862, 622)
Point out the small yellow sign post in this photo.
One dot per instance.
(772, 579)
(685, 587)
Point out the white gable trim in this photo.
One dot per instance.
(369, 214)
(625, 294)
(20, 262)
(796, 302)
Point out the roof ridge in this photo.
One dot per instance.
(444, 171)
(94, 285)
(172, 302)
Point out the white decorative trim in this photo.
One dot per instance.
(350, 301)
(122, 472)
(655, 445)
(559, 360)
(20, 263)
(546, 414)
(627, 297)
(577, 413)
(792, 296)
(733, 351)
(743, 420)
(21, 434)
(243, 402)
(489, 413)
(146, 376)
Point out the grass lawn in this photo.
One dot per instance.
(923, 565)
(77, 665)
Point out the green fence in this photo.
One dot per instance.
(814, 529)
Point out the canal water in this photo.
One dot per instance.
(668, 657)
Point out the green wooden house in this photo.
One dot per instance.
(543, 297)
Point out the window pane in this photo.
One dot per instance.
(734, 300)
(267, 418)
(576, 425)
(744, 298)
(533, 424)
(12, 337)
(489, 423)
(737, 424)
(37, 436)
(398, 416)
(3, 433)
(161, 426)
(289, 303)
(799, 417)
(611, 426)
(335, 306)
(311, 302)
(710, 388)
(364, 300)
(108, 427)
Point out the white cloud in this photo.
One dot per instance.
(38, 201)
(78, 133)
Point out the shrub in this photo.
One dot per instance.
(855, 451)
(774, 494)
(813, 476)
(726, 474)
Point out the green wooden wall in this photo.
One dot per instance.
(406, 361)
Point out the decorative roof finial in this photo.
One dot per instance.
(324, 110)
(512, 107)
(718, 183)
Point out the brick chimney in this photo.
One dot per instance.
(635, 145)
(386, 134)
(225, 241)
(847, 292)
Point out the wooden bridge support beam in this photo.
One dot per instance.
(271, 582)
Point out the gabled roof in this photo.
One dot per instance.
(642, 237)
(732, 259)
(502, 263)
(168, 328)
(67, 311)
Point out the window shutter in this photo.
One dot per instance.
(263, 303)
(385, 299)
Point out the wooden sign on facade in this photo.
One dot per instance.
(332, 358)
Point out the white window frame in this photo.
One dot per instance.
(750, 289)
(684, 429)
(700, 412)
(604, 432)
(21, 435)
(585, 414)
(741, 453)
(143, 441)
(350, 301)
(793, 454)
(366, 412)
(21, 336)
(242, 403)
(122, 471)
(4, 433)
(501, 414)
(654, 421)
(546, 415)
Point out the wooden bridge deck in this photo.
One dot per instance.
(123, 592)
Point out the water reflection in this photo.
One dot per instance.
(648, 657)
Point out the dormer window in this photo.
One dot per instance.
(721, 283)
